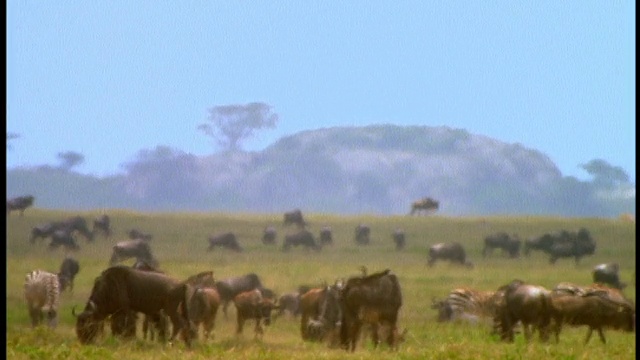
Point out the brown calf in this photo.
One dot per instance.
(252, 305)
(203, 307)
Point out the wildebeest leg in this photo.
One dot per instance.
(224, 308)
(601, 334)
(178, 324)
(240, 324)
(589, 331)
(304, 320)
(375, 335)
(431, 262)
(258, 331)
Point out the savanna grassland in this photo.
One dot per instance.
(180, 244)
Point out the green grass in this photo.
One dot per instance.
(180, 243)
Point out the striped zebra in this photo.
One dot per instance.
(467, 304)
(42, 292)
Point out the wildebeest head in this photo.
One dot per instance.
(88, 324)
(330, 313)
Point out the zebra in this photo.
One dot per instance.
(42, 293)
(467, 304)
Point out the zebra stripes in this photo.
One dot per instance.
(467, 304)
(42, 293)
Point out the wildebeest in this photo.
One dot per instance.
(294, 218)
(509, 244)
(608, 274)
(135, 234)
(453, 252)
(71, 225)
(64, 238)
(138, 249)
(102, 225)
(252, 305)
(121, 289)
(226, 240)
(362, 234)
(562, 244)
(467, 304)
(530, 304)
(269, 235)
(42, 293)
(289, 303)
(203, 307)
(321, 314)
(426, 205)
(68, 271)
(596, 307)
(302, 238)
(230, 287)
(42, 231)
(380, 293)
(326, 236)
(399, 239)
(20, 203)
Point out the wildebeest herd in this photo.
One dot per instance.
(335, 314)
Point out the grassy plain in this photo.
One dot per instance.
(180, 244)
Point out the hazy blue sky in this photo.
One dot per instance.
(109, 78)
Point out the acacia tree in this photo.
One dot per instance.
(230, 125)
(70, 159)
(11, 136)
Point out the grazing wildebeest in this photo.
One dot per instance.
(137, 234)
(64, 238)
(467, 304)
(269, 235)
(121, 289)
(426, 205)
(326, 236)
(225, 240)
(362, 234)
(42, 231)
(230, 287)
(68, 271)
(530, 304)
(321, 311)
(453, 252)
(399, 239)
(20, 203)
(380, 293)
(252, 305)
(596, 307)
(562, 244)
(70, 225)
(509, 244)
(138, 249)
(102, 224)
(42, 293)
(608, 274)
(79, 224)
(203, 308)
(294, 218)
(302, 238)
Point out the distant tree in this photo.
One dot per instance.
(70, 159)
(230, 125)
(605, 174)
(11, 136)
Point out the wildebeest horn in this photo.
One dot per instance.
(73, 311)
(92, 305)
(364, 270)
